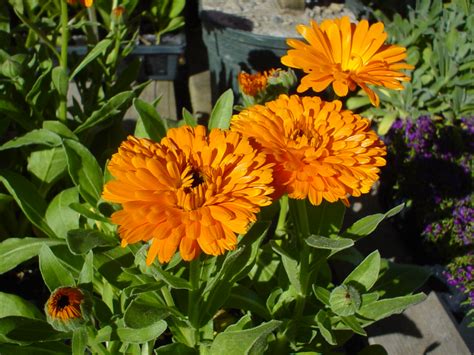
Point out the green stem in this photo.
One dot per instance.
(300, 218)
(97, 348)
(281, 224)
(167, 296)
(193, 296)
(62, 111)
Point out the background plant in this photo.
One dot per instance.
(439, 41)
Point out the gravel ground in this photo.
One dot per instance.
(265, 17)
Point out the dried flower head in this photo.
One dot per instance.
(252, 84)
(191, 191)
(347, 55)
(320, 151)
(65, 303)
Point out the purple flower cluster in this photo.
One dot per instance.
(458, 227)
(462, 277)
(430, 164)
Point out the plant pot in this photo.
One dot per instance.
(231, 50)
(160, 62)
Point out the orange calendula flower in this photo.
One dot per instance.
(320, 150)
(65, 304)
(346, 55)
(252, 84)
(191, 191)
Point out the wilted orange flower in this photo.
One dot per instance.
(346, 55)
(252, 84)
(192, 191)
(86, 3)
(320, 151)
(65, 303)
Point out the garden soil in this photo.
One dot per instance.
(266, 17)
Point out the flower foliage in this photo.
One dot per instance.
(320, 150)
(192, 191)
(347, 55)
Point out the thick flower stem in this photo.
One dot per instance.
(193, 304)
(300, 219)
(281, 224)
(62, 111)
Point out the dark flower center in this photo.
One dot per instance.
(63, 302)
(197, 178)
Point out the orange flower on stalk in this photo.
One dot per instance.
(191, 191)
(320, 150)
(252, 84)
(86, 3)
(346, 55)
(65, 304)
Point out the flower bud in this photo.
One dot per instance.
(67, 308)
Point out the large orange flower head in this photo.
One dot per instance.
(346, 55)
(320, 151)
(193, 191)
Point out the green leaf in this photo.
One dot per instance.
(142, 335)
(345, 300)
(59, 216)
(244, 298)
(37, 136)
(322, 294)
(98, 50)
(222, 112)
(189, 118)
(368, 298)
(175, 349)
(386, 122)
(49, 348)
(248, 341)
(144, 312)
(366, 273)
(158, 273)
(27, 197)
(54, 273)
(79, 341)
(60, 129)
(47, 165)
(155, 126)
(334, 244)
(13, 305)
(401, 279)
(324, 324)
(81, 241)
(14, 251)
(60, 80)
(386, 307)
(367, 225)
(113, 107)
(87, 211)
(84, 170)
(22, 330)
(353, 323)
(12, 111)
(325, 219)
(290, 265)
(86, 275)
